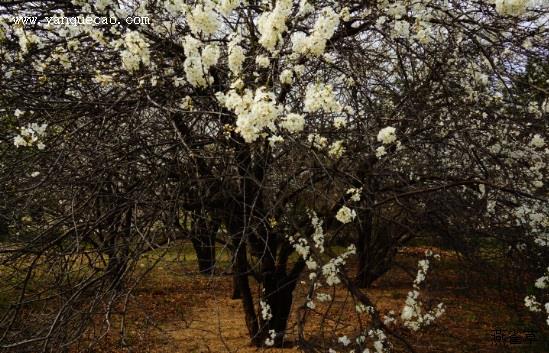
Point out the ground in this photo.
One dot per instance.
(176, 309)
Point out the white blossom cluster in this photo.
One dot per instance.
(203, 18)
(236, 56)
(197, 64)
(511, 7)
(321, 97)
(301, 246)
(537, 141)
(543, 281)
(287, 77)
(136, 52)
(269, 341)
(255, 111)
(534, 216)
(532, 303)
(262, 61)
(323, 297)
(387, 135)
(336, 149)
(381, 345)
(318, 235)
(361, 308)
(227, 6)
(26, 39)
(412, 313)
(344, 340)
(355, 193)
(30, 135)
(266, 313)
(345, 215)
(330, 270)
(323, 30)
(293, 122)
(272, 24)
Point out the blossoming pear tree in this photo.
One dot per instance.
(281, 128)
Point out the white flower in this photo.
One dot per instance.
(311, 264)
(137, 51)
(255, 112)
(321, 97)
(274, 139)
(387, 135)
(262, 61)
(265, 310)
(344, 340)
(19, 141)
(361, 308)
(511, 7)
(203, 19)
(401, 29)
(424, 35)
(238, 84)
(317, 141)
(226, 6)
(210, 55)
(323, 297)
(269, 342)
(537, 141)
(272, 24)
(194, 69)
(30, 135)
(542, 282)
(293, 122)
(305, 8)
(532, 304)
(35, 174)
(355, 193)
(340, 122)
(336, 149)
(101, 5)
(345, 215)
(286, 77)
(345, 14)
(236, 56)
(407, 313)
(380, 151)
(323, 30)
(318, 236)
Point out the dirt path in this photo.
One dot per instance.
(191, 313)
(214, 324)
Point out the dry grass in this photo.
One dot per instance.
(177, 310)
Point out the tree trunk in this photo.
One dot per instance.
(204, 247)
(376, 248)
(246, 296)
(203, 240)
(236, 287)
(279, 296)
(363, 279)
(241, 279)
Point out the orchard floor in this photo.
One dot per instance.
(178, 310)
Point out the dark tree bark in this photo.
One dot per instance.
(364, 279)
(376, 249)
(279, 287)
(241, 278)
(203, 240)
